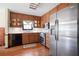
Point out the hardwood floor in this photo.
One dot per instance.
(38, 50)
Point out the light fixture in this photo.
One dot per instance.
(34, 5)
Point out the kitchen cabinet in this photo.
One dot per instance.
(14, 20)
(2, 35)
(9, 40)
(17, 18)
(34, 37)
(30, 38)
(47, 40)
(25, 38)
(37, 23)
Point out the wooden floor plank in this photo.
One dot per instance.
(38, 50)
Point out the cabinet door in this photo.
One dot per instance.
(37, 23)
(15, 20)
(9, 40)
(25, 38)
(12, 15)
(47, 40)
(2, 36)
(18, 20)
(33, 37)
(36, 37)
(12, 19)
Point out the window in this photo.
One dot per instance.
(28, 25)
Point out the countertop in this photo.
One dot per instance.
(14, 30)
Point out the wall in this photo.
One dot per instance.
(4, 17)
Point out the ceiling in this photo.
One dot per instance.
(24, 8)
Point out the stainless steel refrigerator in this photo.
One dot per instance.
(63, 32)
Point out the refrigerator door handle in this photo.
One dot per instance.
(56, 29)
(51, 31)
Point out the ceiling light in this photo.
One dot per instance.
(34, 5)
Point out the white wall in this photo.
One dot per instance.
(4, 17)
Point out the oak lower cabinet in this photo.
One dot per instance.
(25, 38)
(36, 37)
(47, 40)
(9, 40)
(30, 38)
(2, 35)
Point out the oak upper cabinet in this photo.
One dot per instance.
(37, 24)
(15, 20)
